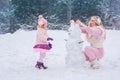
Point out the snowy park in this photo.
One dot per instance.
(17, 58)
(75, 39)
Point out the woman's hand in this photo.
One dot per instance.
(80, 23)
(72, 21)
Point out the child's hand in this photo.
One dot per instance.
(49, 38)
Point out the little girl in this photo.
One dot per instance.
(95, 34)
(42, 44)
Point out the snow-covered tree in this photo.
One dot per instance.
(4, 16)
(25, 12)
(110, 13)
(69, 4)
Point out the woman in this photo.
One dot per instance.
(95, 34)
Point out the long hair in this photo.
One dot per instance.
(98, 23)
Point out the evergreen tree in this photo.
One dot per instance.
(84, 9)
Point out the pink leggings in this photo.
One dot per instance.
(42, 53)
(41, 57)
(92, 53)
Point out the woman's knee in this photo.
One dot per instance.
(88, 48)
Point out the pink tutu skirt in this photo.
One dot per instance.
(92, 53)
(42, 48)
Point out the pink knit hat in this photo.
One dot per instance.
(42, 20)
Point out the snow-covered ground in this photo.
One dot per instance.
(17, 58)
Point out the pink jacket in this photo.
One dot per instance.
(96, 36)
(41, 36)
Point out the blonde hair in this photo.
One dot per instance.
(98, 22)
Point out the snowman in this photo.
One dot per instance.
(74, 43)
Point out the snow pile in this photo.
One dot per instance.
(17, 58)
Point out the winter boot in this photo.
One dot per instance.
(95, 64)
(44, 67)
(39, 65)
